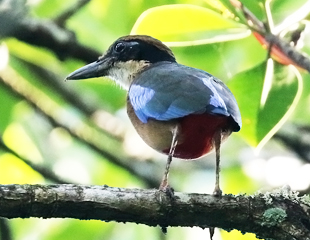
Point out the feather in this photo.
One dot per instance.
(168, 91)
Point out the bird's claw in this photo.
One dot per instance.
(164, 229)
(217, 192)
(211, 232)
(167, 190)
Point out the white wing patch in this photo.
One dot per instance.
(215, 100)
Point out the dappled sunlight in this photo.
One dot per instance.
(255, 169)
(279, 171)
(136, 147)
(4, 53)
(109, 123)
(73, 170)
(60, 138)
(17, 138)
(237, 235)
(282, 170)
(15, 171)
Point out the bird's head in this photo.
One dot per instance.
(125, 58)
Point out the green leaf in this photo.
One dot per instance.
(302, 114)
(287, 13)
(266, 100)
(8, 102)
(185, 24)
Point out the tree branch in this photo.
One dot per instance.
(42, 33)
(61, 19)
(296, 138)
(280, 215)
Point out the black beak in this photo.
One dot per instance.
(96, 69)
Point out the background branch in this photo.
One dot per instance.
(82, 131)
(5, 230)
(43, 170)
(296, 138)
(64, 16)
(42, 33)
(72, 97)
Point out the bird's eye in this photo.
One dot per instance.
(119, 47)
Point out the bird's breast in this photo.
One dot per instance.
(157, 134)
(195, 137)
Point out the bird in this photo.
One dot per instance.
(180, 111)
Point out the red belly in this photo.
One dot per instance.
(197, 132)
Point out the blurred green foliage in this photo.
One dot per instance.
(55, 124)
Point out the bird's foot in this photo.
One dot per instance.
(167, 190)
(164, 229)
(165, 193)
(217, 192)
(211, 232)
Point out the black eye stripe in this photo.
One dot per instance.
(137, 50)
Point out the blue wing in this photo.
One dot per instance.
(168, 91)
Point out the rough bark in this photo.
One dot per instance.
(279, 215)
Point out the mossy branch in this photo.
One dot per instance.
(281, 215)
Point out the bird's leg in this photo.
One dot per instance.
(164, 186)
(217, 142)
(164, 183)
(217, 190)
(211, 232)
